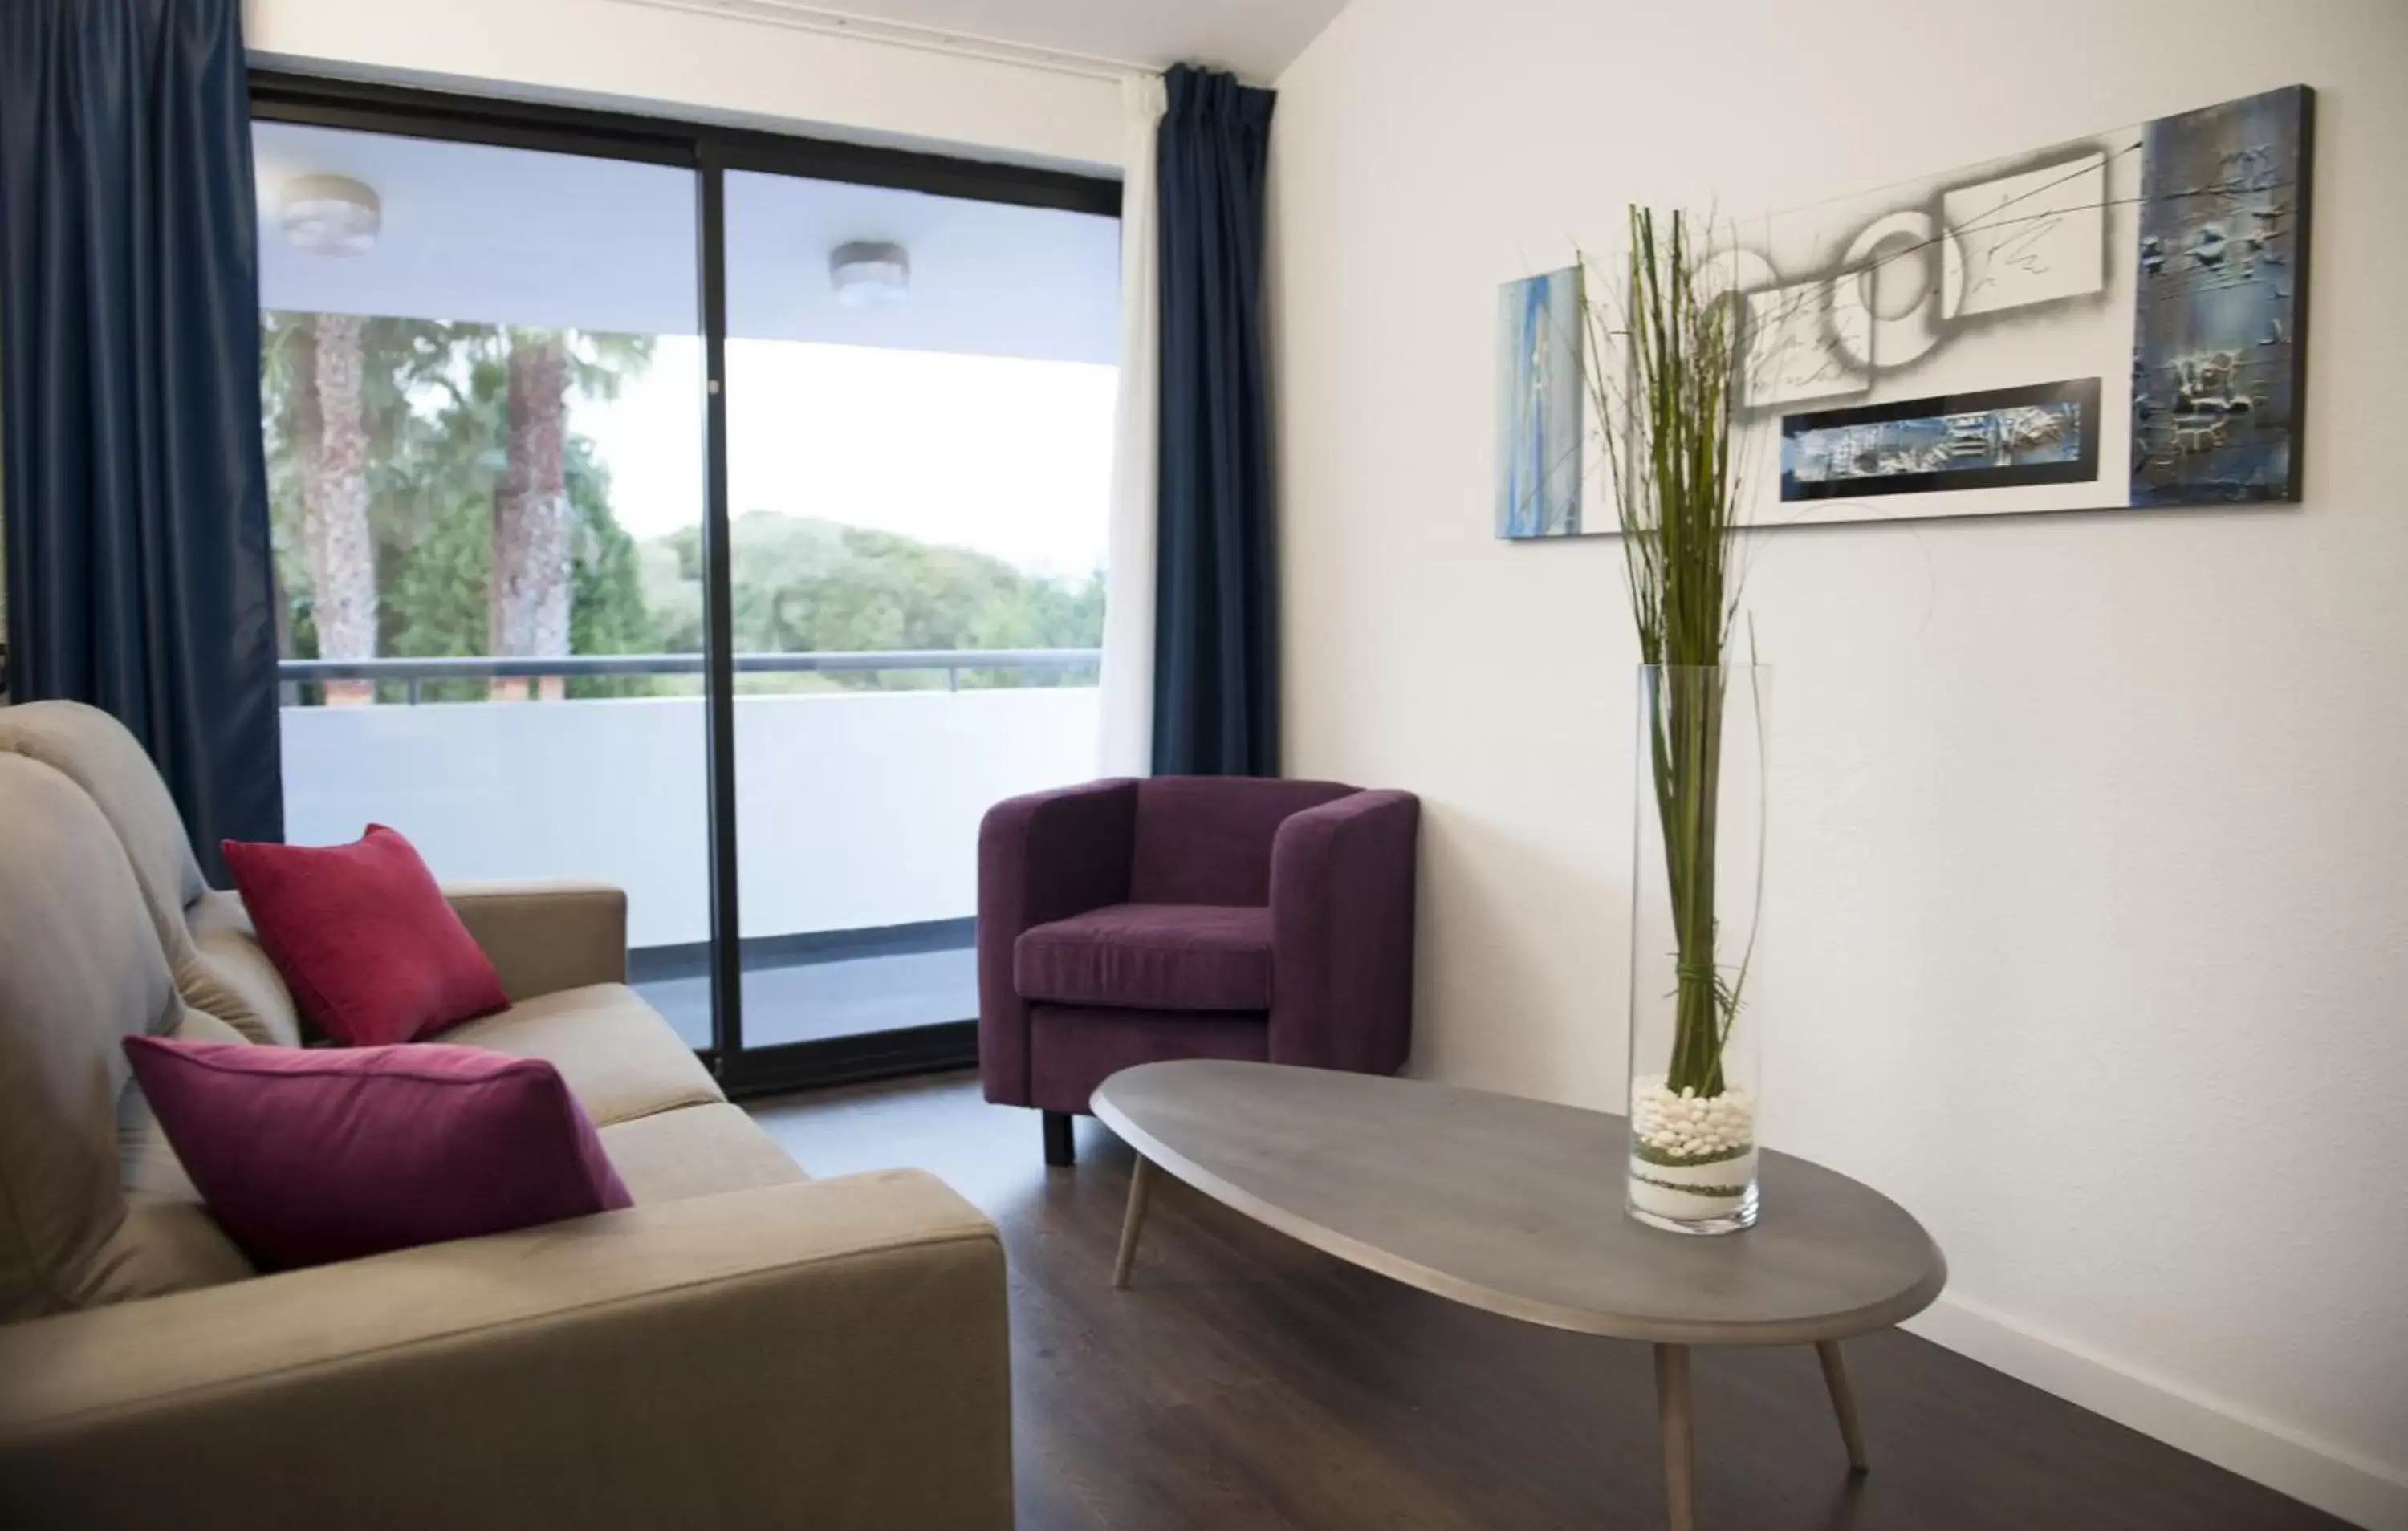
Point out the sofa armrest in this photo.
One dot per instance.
(543, 936)
(1044, 857)
(1342, 933)
(831, 1354)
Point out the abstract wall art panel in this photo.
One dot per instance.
(2044, 435)
(2026, 239)
(2216, 358)
(2110, 323)
(1801, 345)
(1540, 385)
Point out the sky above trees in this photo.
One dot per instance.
(1009, 456)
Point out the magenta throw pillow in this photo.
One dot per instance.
(309, 1155)
(372, 950)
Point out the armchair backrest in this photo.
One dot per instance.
(1207, 839)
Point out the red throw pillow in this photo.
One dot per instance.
(309, 1155)
(370, 946)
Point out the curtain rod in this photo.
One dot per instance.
(834, 24)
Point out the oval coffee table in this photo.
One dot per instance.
(1516, 1205)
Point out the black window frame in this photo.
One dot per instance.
(710, 151)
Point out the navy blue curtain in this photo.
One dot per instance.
(132, 477)
(1217, 649)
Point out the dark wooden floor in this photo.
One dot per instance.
(1248, 1381)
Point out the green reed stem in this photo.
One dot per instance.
(1662, 375)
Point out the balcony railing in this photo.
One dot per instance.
(411, 674)
(857, 808)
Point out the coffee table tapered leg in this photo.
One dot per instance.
(1140, 1187)
(1843, 1403)
(1672, 1403)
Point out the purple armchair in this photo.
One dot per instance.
(1128, 921)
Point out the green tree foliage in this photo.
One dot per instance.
(434, 400)
(433, 404)
(402, 357)
(804, 584)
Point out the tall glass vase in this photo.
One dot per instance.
(1696, 898)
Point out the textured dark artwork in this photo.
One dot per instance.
(2221, 297)
(2044, 435)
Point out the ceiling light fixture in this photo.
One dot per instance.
(870, 273)
(330, 215)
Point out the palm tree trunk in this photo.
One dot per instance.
(335, 537)
(530, 590)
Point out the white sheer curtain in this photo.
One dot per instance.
(1128, 733)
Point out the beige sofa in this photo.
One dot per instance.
(745, 1347)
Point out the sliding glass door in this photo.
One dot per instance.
(717, 514)
(919, 452)
(481, 372)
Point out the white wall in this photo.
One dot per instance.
(854, 809)
(2089, 893)
(674, 63)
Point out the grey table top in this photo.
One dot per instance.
(1514, 1206)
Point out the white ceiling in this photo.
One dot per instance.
(986, 279)
(474, 233)
(1255, 39)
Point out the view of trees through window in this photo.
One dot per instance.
(488, 396)
(432, 495)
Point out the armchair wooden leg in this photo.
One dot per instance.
(1060, 1149)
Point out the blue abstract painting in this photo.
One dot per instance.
(2221, 277)
(1539, 322)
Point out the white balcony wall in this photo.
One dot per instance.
(855, 810)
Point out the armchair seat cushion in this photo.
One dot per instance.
(1150, 956)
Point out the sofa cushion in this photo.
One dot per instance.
(147, 1167)
(311, 1155)
(621, 1059)
(370, 947)
(228, 974)
(695, 1151)
(170, 1242)
(80, 969)
(1150, 956)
